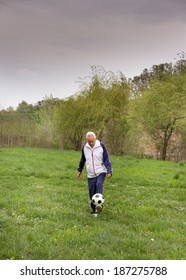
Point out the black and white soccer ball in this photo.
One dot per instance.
(98, 199)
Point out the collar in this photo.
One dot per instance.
(97, 144)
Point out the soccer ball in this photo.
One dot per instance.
(98, 199)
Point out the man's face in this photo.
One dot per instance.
(91, 140)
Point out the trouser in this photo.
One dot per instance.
(95, 185)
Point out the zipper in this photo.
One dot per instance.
(92, 155)
(93, 163)
(93, 159)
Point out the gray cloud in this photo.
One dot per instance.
(55, 42)
(83, 21)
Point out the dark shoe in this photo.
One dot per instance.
(99, 208)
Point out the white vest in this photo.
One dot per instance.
(94, 159)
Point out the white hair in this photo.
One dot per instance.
(90, 133)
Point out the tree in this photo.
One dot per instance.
(163, 110)
(117, 126)
(101, 107)
(143, 81)
(46, 133)
(25, 109)
(72, 116)
(81, 113)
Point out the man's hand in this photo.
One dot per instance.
(79, 175)
(109, 175)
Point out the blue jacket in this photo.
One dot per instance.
(97, 160)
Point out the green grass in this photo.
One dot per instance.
(45, 213)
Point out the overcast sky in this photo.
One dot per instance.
(46, 46)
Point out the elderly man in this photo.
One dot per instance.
(98, 164)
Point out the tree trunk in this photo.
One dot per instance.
(164, 150)
(167, 136)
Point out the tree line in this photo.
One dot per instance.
(143, 116)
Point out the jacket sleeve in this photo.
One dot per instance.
(82, 161)
(106, 159)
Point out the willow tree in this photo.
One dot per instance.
(100, 106)
(86, 111)
(71, 119)
(117, 125)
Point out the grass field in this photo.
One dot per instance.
(45, 214)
